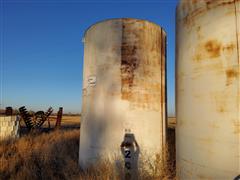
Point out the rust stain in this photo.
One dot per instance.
(198, 57)
(213, 3)
(229, 48)
(221, 109)
(208, 50)
(129, 61)
(194, 1)
(236, 128)
(141, 65)
(231, 74)
(188, 20)
(213, 48)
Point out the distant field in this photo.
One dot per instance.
(171, 122)
(67, 121)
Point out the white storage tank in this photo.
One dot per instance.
(9, 127)
(124, 90)
(207, 89)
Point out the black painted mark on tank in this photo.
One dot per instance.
(237, 178)
(130, 151)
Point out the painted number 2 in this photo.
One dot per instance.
(127, 154)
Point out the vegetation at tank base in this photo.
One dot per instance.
(54, 155)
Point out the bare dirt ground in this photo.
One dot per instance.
(54, 155)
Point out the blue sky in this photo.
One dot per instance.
(42, 53)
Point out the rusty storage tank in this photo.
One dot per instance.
(124, 89)
(207, 89)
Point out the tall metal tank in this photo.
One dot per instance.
(207, 89)
(124, 90)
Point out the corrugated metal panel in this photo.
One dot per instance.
(123, 88)
(207, 90)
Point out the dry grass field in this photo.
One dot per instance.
(54, 155)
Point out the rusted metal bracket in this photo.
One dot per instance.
(26, 117)
(59, 118)
(35, 121)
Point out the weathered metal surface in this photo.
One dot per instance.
(41, 117)
(123, 88)
(26, 117)
(207, 89)
(59, 118)
(34, 121)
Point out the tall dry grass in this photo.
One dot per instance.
(54, 155)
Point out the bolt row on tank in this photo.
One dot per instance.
(124, 90)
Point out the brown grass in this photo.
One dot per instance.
(45, 156)
(54, 155)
